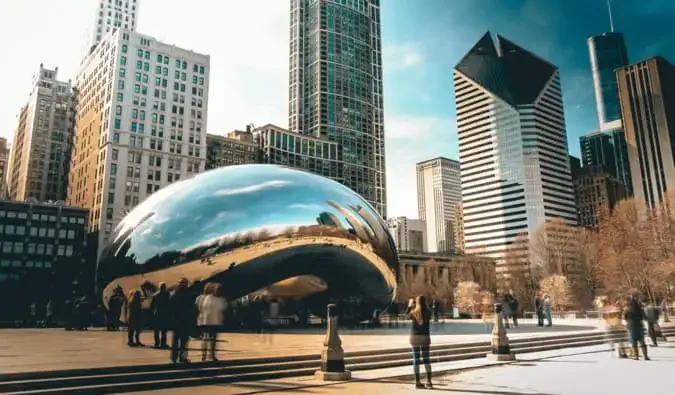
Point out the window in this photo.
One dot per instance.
(166, 60)
(62, 233)
(194, 79)
(120, 84)
(124, 48)
(158, 70)
(160, 58)
(201, 69)
(177, 63)
(123, 60)
(184, 65)
(138, 76)
(115, 153)
(177, 74)
(145, 78)
(195, 68)
(139, 64)
(120, 96)
(142, 115)
(140, 53)
(123, 72)
(137, 88)
(71, 234)
(118, 110)
(116, 137)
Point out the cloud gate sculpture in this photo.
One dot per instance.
(256, 229)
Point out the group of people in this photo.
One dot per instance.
(180, 311)
(634, 314)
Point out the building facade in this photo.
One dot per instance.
(41, 147)
(439, 191)
(607, 148)
(336, 86)
(281, 147)
(459, 228)
(141, 124)
(647, 97)
(235, 148)
(114, 14)
(4, 167)
(409, 234)
(513, 149)
(595, 187)
(42, 252)
(607, 53)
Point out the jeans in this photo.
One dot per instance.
(421, 354)
(549, 318)
(540, 318)
(179, 344)
(209, 337)
(637, 335)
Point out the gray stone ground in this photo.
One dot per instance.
(585, 372)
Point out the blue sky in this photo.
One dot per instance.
(422, 41)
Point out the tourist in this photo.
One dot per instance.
(546, 305)
(159, 311)
(115, 305)
(539, 307)
(634, 315)
(611, 313)
(211, 307)
(134, 319)
(420, 340)
(652, 317)
(506, 309)
(513, 306)
(182, 309)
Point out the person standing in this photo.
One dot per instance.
(513, 305)
(634, 316)
(420, 339)
(652, 317)
(211, 307)
(182, 309)
(539, 307)
(159, 310)
(506, 309)
(134, 319)
(546, 304)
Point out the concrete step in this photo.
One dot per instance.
(139, 378)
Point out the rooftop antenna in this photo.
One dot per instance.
(611, 20)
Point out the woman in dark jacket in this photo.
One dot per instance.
(134, 312)
(634, 316)
(419, 314)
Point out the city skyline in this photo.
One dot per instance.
(251, 76)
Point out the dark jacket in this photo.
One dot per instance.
(183, 311)
(134, 311)
(634, 315)
(160, 307)
(652, 314)
(419, 333)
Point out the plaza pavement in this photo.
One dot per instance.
(29, 350)
(579, 371)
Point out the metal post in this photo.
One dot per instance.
(332, 355)
(501, 351)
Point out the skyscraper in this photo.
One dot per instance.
(515, 168)
(409, 234)
(114, 14)
(141, 124)
(607, 53)
(41, 146)
(607, 149)
(439, 191)
(647, 97)
(4, 166)
(336, 86)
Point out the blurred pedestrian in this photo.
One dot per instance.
(611, 313)
(134, 319)
(634, 316)
(652, 317)
(420, 340)
(546, 304)
(539, 307)
(159, 313)
(513, 307)
(183, 314)
(211, 307)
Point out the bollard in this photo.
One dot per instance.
(332, 355)
(501, 351)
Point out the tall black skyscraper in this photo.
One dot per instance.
(607, 149)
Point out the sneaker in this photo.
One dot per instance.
(419, 385)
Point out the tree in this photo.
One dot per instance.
(468, 296)
(556, 288)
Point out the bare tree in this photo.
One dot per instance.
(556, 288)
(468, 296)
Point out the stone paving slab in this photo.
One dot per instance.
(24, 350)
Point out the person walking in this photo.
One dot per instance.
(634, 316)
(420, 340)
(513, 306)
(652, 317)
(159, 311)
(611, 313)
(183, 313)
(539, 307)
(546, 304)
(211, 307)
(134, 319)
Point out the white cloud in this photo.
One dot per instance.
(400, 57)
(253, 188)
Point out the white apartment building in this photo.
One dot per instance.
(513, 147)
(114, 14)
(141, 124)
(409, 234)
(438, 194)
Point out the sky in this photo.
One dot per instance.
(422, 41)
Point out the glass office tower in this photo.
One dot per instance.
(607, 52)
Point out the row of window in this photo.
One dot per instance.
(20, 230)
(41, 217)
(9, 247)
(27, 264)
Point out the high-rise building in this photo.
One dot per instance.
(607, 148)
(513, 146)
(4, 166)
(459, 228)
(595, 187)
(42, 141)
(408, 234)
(141, 124)
(114, 14)
(647, 97)
(439, 190)
(607, 53)
(336, 87)
(236, 148)
(279, 146)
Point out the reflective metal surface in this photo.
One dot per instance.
(252, 228)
